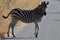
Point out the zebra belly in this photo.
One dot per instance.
(31, 20)
(25, 20)
(37, 19)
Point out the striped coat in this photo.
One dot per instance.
(27, 16)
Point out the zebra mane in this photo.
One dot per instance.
(42, 5)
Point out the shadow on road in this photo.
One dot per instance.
(18, 38)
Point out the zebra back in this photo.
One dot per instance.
(28, 16)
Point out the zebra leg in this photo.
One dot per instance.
(14, 21)
(13, 31)
(36, 29)
(8, 30)
(11, 25)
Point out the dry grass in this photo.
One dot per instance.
(7, 5)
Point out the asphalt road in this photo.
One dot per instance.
(49, 27)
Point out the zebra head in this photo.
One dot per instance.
(43, 7)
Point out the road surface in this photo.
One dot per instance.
(49, 27)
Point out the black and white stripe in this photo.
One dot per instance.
(23, 15)
(27, 16)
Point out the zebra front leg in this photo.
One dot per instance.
(36, 29)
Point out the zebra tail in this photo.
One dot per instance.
(5, 17)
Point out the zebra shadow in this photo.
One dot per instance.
(18, 38)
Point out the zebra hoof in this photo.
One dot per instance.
(8, 35)
(36, 36)
(13, 35)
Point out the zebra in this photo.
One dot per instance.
(27, 16)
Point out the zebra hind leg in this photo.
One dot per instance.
(11, 25)
(36, 30)
(8, 31)
(14, 21)
(13, 31)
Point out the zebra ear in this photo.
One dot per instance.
(47, 3)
